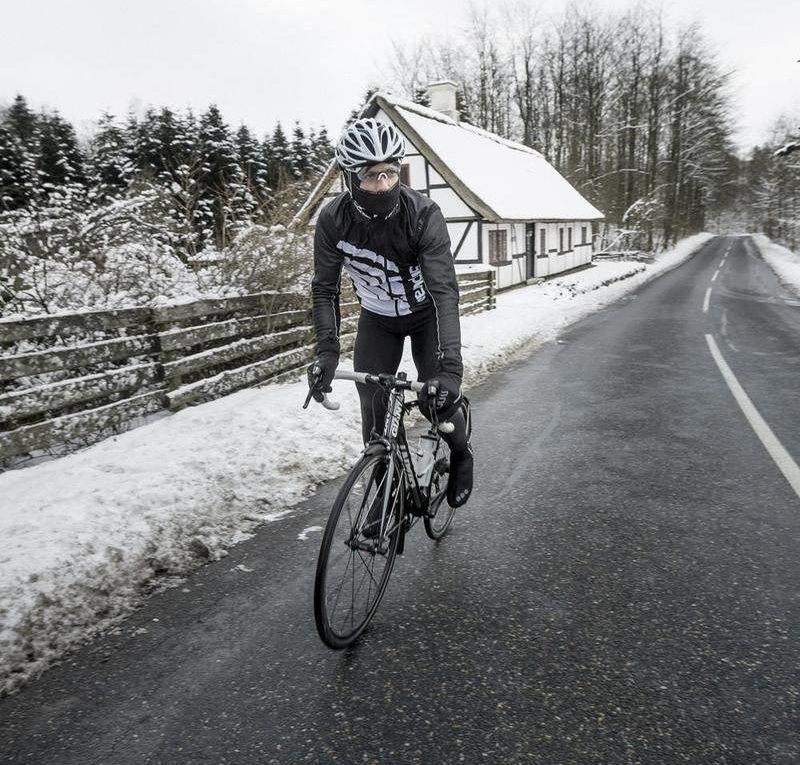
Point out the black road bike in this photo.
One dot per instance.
(384, 495)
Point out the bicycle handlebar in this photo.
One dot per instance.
(365, 378)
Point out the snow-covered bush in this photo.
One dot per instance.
(263, 256)
(69, 255)
(260, 258)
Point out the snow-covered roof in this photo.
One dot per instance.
(514, 181)
(501, 179)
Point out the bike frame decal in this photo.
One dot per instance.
(394, 411)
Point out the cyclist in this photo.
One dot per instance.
(393, 243)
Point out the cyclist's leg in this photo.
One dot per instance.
(378, 348)
(424, 349)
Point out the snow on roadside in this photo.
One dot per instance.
(781, 260)
(84, 536)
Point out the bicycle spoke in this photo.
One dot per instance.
(366, 566)
(338, 594)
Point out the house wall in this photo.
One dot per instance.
(513, 270)
(559, 256)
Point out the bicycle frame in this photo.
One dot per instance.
(395, 441)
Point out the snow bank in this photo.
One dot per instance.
(781, 260)
(86, 535)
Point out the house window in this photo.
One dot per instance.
(561, 240)
(543, 242)
(584, 240)
(405, 174)
(569, 238)
(498, 248)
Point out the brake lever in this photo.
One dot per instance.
(442, 427)
(316, 373)
(328, 403)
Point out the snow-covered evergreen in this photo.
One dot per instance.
(153, 207)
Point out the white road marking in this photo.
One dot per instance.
(706, 300)
(716, 274)
(776, 450)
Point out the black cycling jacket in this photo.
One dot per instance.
(398, 266)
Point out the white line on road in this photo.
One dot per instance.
(706, 300)
(780, 456)
(716, 274)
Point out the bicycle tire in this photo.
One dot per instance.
(333, 631)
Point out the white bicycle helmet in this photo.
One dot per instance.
(367, 142)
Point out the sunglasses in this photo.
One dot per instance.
(373, 176)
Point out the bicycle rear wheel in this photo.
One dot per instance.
(440, 514)
(358, 551)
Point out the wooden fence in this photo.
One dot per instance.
(99, 372)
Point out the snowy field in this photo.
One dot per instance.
(86, 536)
(782, 261)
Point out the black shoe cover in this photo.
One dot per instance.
(459, 484)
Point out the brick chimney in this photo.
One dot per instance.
(443, 97)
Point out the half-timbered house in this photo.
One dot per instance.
(506, 207)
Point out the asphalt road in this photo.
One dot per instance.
(622, 587)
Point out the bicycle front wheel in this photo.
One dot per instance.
(358, 551)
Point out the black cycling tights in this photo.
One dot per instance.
(379, 348)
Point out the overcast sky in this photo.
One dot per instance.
(264, 60)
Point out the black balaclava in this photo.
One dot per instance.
(375, 205)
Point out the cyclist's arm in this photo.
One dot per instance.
(325, 287)
(439, 273)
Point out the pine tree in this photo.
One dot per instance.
(251, 160)
(301, 154)
(421, 97)
(22, 121)
(13, 192)
(462, 107)
(181, 177)
(281, 169)
(224, 203)
(110, 166)
(61, 163)
(148, 147)
(268, 160)
(321, 151)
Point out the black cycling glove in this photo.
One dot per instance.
(321, 372)
(447, 399)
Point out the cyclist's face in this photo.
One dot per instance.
(380, 177)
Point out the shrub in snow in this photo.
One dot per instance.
(261, 258)
(67, 255)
